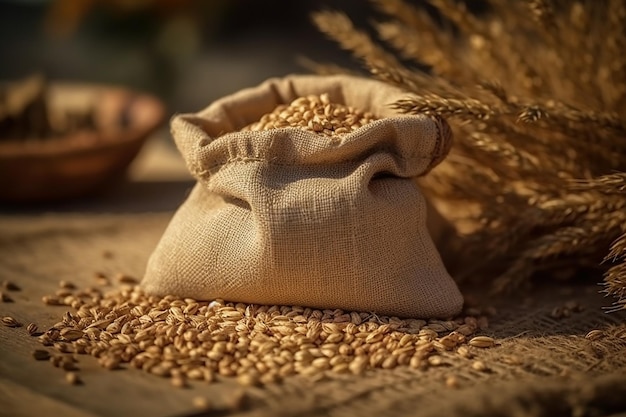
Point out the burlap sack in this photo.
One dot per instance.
(289, 217)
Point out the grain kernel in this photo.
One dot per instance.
(178, 381)
(67, 285)
(248, 379)
(321, 363)
(435, 360)
(32, 329)
(72, 378)
(452, 382)
(416, 362)
(594, 335)
(51, 300)
(466, 329)
(201, 403)
(125, 279)
(479, 366)
(68, 365)
(374, 337)
(464, 352)
(358, 365)
(10, 286)
(41, 355)
(109, 362)
(482, 342)
(70, 334)
(390, 362)
(436, 327)
(9, 321)
(448, 342)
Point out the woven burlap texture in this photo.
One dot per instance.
(542, 367)
(286, 216)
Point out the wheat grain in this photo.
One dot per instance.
(201, 403)
(41, 355)
(10, 286)
(32, 329)
(125, 279)
(67, 285)
(479, 366)
(316, 114)
(9, 321)
(72, 378)
(185, 339)
(482, 342)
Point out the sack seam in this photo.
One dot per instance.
(246, 160)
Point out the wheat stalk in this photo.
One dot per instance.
(536, 96)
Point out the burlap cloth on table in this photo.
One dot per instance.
(543, 367)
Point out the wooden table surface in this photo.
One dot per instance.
(39, 246)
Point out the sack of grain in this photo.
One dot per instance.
(306, 196)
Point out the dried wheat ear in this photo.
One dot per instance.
(535, 92)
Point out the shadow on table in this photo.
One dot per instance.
(124, 197)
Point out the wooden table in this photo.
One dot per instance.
(39, 246)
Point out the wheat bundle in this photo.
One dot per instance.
(535, 92)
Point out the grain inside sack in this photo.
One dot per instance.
(283, 216)
(315, 114)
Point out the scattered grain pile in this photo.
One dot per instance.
(185, 339)
(316, 114)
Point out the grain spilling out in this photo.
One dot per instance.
(316, 114)
(187, 340)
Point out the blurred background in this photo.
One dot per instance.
(186, 52)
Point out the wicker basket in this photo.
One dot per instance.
(85, 161)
